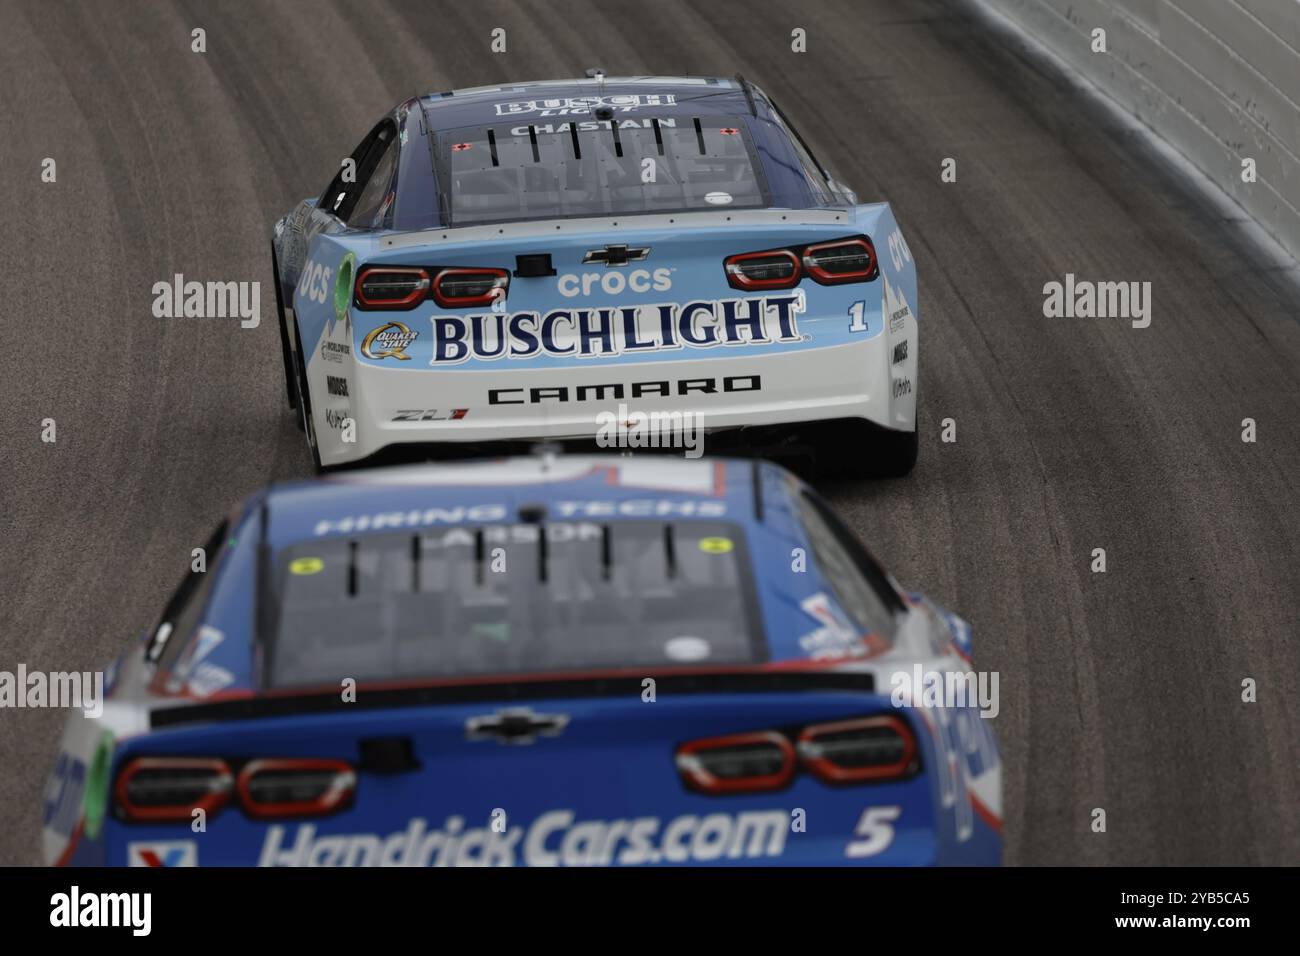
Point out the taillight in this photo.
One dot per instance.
(777, 269)
(844, 260)
(295, 787)
(850, 751)
(172, 788)
(466, 288)
(391, 287)
(837, 752)
(737, 763)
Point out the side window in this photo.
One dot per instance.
(341, 197)
(186, 604)
(811, 168)
(371, 200)
(861, 588)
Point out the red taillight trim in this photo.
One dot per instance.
(328, 802)
(699, 778)
(209, 804)
(405, 302)
(828, 772)
(820, 275)
(738, 280)
(467, 301)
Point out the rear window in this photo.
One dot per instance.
(557, 169)
(506, 599)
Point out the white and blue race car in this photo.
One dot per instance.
(507, 263)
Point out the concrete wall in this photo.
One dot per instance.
(1217, 79)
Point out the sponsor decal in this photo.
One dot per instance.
(894, 305)
(577, 105)
(397, 520)
(497, 514)
(616, 390)
(314, 283)
(556, 838)
(194, 673)
(502, 534)
(389, 341)
(186, 669)
(337, 418)
(590, 126)
(429, 415)
(716, 545)
(970, 768)
(208, 678)
(572, 284)
(627, 330)
(336, 385)
(301, 566)
(334, 351)
(836, 637)
(163, 853)
(899, 253)
(900, 352)
(640, 508)
(902, 386)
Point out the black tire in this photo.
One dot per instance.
(285, 352)
(863, 450)
(305, 421)
(897, 453)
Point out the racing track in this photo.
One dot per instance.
(1119, 690)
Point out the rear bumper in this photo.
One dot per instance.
(393, 406)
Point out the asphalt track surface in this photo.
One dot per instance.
(1118, 690)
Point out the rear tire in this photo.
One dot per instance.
(305, 421)
(863, 450)
(285, 352)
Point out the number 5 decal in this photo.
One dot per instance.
(875, 832)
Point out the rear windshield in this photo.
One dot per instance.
(586, 167)
(508, 599)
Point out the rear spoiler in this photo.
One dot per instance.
(293, 703)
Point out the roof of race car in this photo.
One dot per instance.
(420, 496)
(277, 525)
(666, 95)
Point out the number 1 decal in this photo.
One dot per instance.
(858, 316)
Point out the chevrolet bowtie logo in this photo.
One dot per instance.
(515, 726)
(616, 255)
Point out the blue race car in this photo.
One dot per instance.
(504, 264)
(547, 660)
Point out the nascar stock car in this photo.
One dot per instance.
(498, 264)
(548, 660)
